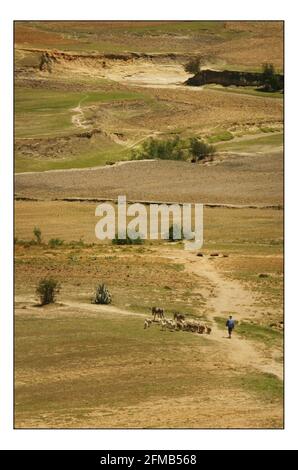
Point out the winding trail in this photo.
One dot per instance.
(96, 308)
(228, 297)
(78, 119)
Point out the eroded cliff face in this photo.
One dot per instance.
(49, 58)
(230, 77)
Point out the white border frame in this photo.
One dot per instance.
(145, 439)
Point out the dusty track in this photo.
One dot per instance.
(78, 119)
(229, 296)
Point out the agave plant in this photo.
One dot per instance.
(102, 295)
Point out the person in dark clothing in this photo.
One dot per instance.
(230, 324)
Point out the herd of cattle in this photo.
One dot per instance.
(178, 323)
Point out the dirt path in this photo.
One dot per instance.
(104, 309)
(78, 119)
(20, 301)
(229, 297)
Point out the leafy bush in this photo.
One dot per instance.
(270, 81)
(37, 234)
(200, 150)
(47, 290)
(171, 149)
(174, 149)
(194, 65)
(79, 243)
(127, 240)
(54, 242)
(102, 295)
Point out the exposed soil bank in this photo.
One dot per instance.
(230, 77)
(47, 56)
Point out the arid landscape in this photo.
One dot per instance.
(88, 95)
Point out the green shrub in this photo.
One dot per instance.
(79, 243)
(194, 65)
(102, 295)
(54, 242)
(47, 290)
(171, 149)
(270, 81)
(174, 149)
(25, 243)
(200, 150)
(127, 240)
(37, 234)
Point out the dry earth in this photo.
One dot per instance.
(245, 179)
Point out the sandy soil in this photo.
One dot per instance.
(148, 74)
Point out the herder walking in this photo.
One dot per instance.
(230, 324)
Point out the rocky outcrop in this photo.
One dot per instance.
(230, 77)
(46, 62)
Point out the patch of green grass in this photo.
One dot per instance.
(38, 100)
(91, 159)
(250, 331)
(267, 387)
(252, 144)
(135, 27)
(178, 26)
(267, 130)
(220, 137)
(264, 334)
(48, 112)
(221, 322)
